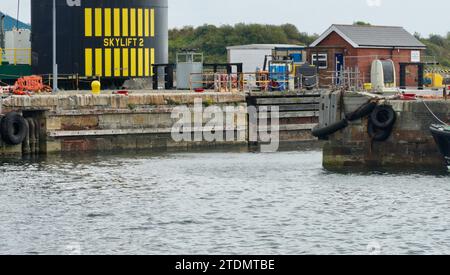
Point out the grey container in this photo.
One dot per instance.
(189, 70)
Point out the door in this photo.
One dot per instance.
(339, 61)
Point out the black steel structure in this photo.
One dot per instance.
(100, 38)
(420, 74)
(228, 67)
(167, 71)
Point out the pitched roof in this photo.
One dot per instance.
(373, 36)
(265, 47)
(11, 23)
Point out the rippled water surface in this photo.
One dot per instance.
(217, 203)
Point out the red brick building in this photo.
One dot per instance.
(344, 47)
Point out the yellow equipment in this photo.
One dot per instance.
(437, 80)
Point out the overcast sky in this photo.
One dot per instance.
(425, 17)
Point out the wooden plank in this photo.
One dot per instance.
(286, 94)
(322, 116)
(293, 114)
(115, 132)
(293, 108)
(289, 127)
(288, 100)
(333, 107)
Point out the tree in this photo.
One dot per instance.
(213, 40)
(361, 23)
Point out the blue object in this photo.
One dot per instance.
(297, 57)
(10, 23)
(339, 66)
(278, 76)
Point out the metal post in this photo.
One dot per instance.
(55, 65)
(2, 33)
(18, 14)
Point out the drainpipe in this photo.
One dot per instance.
(55, 65)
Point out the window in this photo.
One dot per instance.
(323, 60)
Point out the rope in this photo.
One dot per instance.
(433, 114)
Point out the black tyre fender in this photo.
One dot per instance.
(383, 117)
(331, 129)
(378, 134)
(13, 128)
(362, 111)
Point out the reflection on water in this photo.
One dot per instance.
(217, 203)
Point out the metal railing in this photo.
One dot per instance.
(15, 56)
(250, 82)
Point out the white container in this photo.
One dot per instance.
(17, 46)
(383, 75)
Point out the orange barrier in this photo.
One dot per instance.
(28, 84)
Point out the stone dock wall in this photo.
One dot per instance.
(411, 144)
(83, 122)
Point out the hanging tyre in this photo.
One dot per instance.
(378, 134)
(362, 111)
(383, 117)
(329, 130)
(13, 128)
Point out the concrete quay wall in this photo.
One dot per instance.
(83, 122)
(410, 145)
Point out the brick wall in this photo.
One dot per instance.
(360, 58)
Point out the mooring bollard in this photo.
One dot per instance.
(96, 87)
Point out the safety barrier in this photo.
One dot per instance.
(16, 56)
(250, 82)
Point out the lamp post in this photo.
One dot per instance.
(55, 65)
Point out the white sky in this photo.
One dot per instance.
(425, 17)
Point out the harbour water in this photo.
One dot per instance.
(217, 203)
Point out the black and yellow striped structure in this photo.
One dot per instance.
(108, 38)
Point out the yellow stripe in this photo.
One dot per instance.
(125, 62)
(107, 22)
(133, 62)
(116, 22)
(117, 62)
(133, 22)
(98, 62)
(108, 63)
(147, 22)
(140, 23)
(153, 23)
(124, 22)
(98, 22)
(147, 62)
(140, 62)
(152, 60)
(88, 62)
(88, 22)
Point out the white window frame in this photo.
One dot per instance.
(323, 57)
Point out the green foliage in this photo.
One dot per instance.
(439, 47)
(361, 23)
(212, 40)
